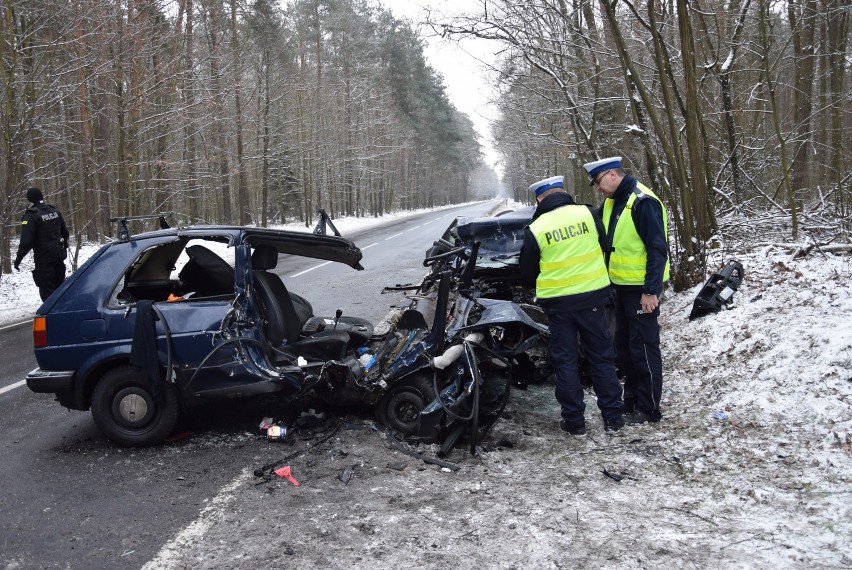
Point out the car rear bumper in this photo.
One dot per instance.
(50, 381)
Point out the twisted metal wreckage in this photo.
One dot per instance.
(140, 342)
(155, 325)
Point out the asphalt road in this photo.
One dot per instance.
(70, 499)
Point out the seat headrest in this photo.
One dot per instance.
(264, 257)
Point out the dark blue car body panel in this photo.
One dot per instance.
(90, 330)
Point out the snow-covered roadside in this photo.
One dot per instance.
(761, 397)
(749, 468)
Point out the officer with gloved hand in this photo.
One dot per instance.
(44, 232)
(637, 258)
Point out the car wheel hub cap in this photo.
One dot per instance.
(407, 413)
(133, 409)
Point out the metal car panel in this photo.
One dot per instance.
(329, 248)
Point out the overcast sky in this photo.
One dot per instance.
(464, 66)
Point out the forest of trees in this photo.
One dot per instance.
(222, 111)
(259, 112)
(735, 108)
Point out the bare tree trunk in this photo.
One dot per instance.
(316, 140)
(13, 182)
(90, 193)
(763, 19)
(723, 73)
(122, 184)
(188, 88)
(304, 144)
(802, 18)
(703, 212)
(266, 67)
(348, 170)
(218, 94)
(242, 182)
(162, 104)
(838, 16)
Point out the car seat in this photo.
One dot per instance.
(289, 317)
(206, 273)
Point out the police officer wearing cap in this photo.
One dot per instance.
(44, 232)
(637, 256)
(562, 255)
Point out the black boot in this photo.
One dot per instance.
(573, 429)
(640, 417)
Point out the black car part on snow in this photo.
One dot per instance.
(718, 290)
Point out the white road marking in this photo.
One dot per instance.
(311, 269)
(369, 246)
(397, 235)
(13, 325)
(11, 387)
(170, 555)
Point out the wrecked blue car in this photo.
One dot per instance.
(158, 324)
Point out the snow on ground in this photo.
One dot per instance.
(750, 468)
(770, 383)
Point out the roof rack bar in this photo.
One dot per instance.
(124, 232)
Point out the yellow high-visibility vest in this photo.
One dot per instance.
(629, 257)
(571, 259)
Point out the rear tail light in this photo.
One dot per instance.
(39, 332)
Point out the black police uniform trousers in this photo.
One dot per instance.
(48, 275)
(637, 341)
(593, 329)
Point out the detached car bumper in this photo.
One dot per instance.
(50, 381)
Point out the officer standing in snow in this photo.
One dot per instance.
(562, 255)
(636, 249)
(44, 232)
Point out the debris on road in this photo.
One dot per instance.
(277, 432)
(614, 476)
(347, 474)
(287, 473)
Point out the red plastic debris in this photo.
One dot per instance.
(287, 473)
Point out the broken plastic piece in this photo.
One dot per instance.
(287, 473)
(718, 291)
(266, 423)
(367, 360)
(346, 474)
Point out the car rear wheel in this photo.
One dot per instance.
(125, 410)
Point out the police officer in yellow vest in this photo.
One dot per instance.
(637, 259)
(562, 254)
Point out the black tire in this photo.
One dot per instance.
(125, 410)
(400, 408)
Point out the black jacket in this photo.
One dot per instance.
(531, 254)
(44, 232)
(648, 219)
